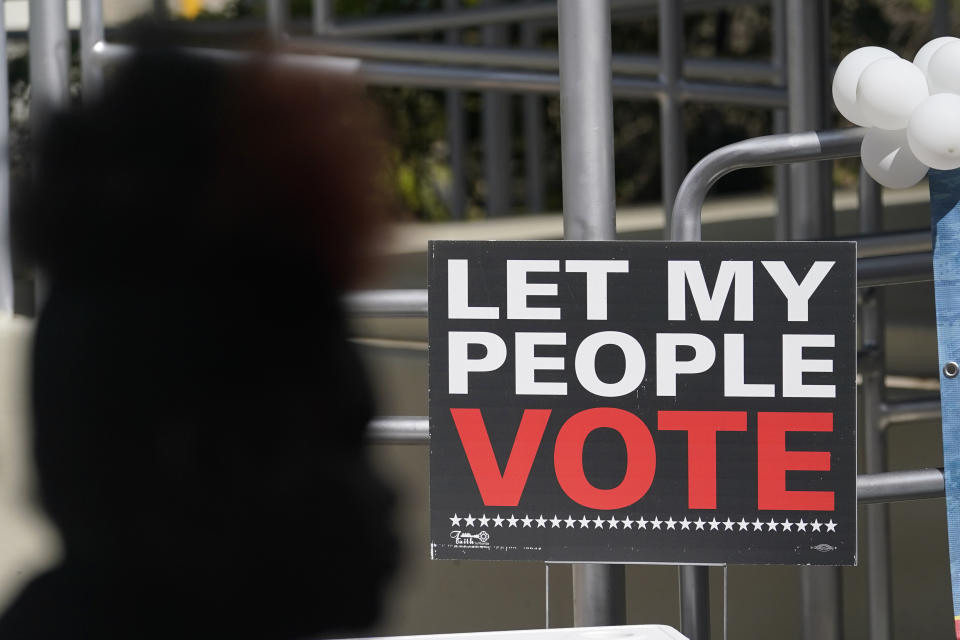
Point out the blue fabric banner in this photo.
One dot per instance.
(945, 222)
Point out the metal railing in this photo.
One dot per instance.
(800, 106)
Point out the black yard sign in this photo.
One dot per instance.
(643, 402)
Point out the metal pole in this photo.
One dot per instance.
(456, 133)
(599, 595)
(811, 216)
(91, 36)
(694, 602)
(531, 57)
(322, 16)
(672, 141)
(586, 120)
(879, 611)
(49, 78)
(496, 133)
(49, 60)
(810, 184)
(533, 131)
(781, 173)
(446, 77)
(694, 581)
(509, 12)
(6, 261)
(276, 18)
(940, 25)
(754, 152)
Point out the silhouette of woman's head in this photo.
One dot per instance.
(199, 413)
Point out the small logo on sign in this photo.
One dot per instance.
(824, 548)
(477, 540)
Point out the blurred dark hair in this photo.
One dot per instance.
(181, 151)
(198, 410)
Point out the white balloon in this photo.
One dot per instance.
(888, 92)
(888, 159)
(934, 131)
(847, 76)
(922, 59)
(943, 71)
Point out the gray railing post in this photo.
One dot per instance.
(586, 116)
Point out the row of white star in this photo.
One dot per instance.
(626, 523)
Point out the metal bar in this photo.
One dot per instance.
(322, 17)
(883, 244)
(533, 130)
(694, 580)
(900, 485)
(810, 193)
(91, 36)
(456, 134)
(781, 172)
(811, 217)
(49, 79)
(6, 259)
(276, 16)
(901, 269)
(694, 602)
(877, 523)
(399, 430)
(49, 60)
(496, 130)
(528, 57)
(755, 152)
(388, 303)
(440, 20)
(940, 23)
(820, 600)
(586, 116)
(586, 123)
(441, 77)
(914, 410)
(598, 594)
(673, 157)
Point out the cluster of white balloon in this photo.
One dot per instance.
(912, 109)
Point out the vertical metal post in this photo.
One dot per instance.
(49, 79)
(811, 193)
(872, 390)
(496, 132)
(6, 262)
(456, 133)
(322, 15)
(49, 60)
(940, 26)
(694, 580)
(533, 131)
(820, 598)
(811, 216)
(91, 36)
(695, 602)
(276, 18)
(673, 143)
(781, 172)
(586, 121)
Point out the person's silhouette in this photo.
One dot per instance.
(199, 413)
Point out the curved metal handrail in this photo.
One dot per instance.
(755, 152)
